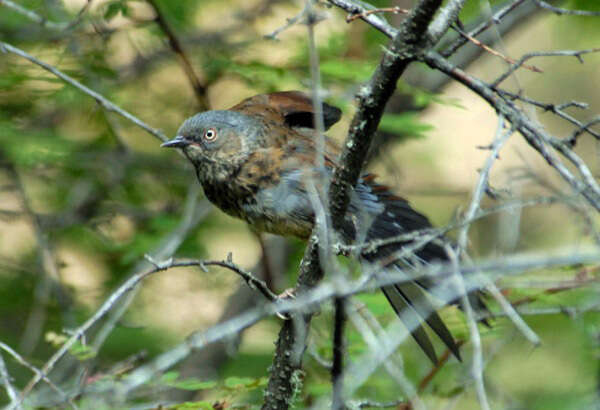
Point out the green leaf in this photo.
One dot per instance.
(406, 124)
(193, 384)
(169, 377)
(81, 351)
(113, 9)
(202, 405)
(244, 382)
(347, 70)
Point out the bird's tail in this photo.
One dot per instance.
(410, 299)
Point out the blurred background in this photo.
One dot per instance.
(84, 194)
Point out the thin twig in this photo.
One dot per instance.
(494, 52)
(477, 366)
(397, 404)
(443, 359)
(33, 16)
(375, 336)
(373, 19)
(395, 10)
(80, 15)
(483, 181)
(11, 391)
(126, 287)
(38, 372)
(50, 276)
(188, 69)
(483, 26)
(106, 104)
(561, 11)
(538, 138)
(561, 53)
(501, 267)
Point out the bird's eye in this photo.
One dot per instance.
(210, 134)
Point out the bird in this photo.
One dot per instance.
(259, 160)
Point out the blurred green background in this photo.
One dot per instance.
(84, 194)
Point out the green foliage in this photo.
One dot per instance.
(170, 379)
(407, 124)
(114, 8)
(200, 405)
(105, 195)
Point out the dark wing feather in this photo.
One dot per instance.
(293, 107)
(393, 216)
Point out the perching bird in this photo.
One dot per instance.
(254, 162)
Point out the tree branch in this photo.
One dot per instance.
(533, 133)
(106, 104)
(112, 300)
(188, 69)
(404, 48)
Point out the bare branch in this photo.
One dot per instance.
(477, 369)
(372, 99)
(395, 10)
(447, 16)
(494, 268)
(38, 372)
(106, 104)
(533, 133)
(561, 11)
(483, 181)
(562, 53)
(371, 18)
(33, 16)
(126, 287)
(497, 17)
(13, 393)
(188, 69)
(494, 52)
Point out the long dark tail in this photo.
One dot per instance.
(409, 299)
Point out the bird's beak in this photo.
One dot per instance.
(177, 142)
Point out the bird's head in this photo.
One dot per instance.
(216, 136)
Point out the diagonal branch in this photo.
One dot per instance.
(100, 99)
(175, 44)
(561, 11)
(542, 142)
(129, 285)
(403, 49)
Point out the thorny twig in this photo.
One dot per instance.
(562, 53)
(502, 267)
(126, 287)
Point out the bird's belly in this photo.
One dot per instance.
(276, 221)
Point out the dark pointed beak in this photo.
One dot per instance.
(177, 142)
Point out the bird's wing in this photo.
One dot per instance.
(294, 108)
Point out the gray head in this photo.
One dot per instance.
(214, 135)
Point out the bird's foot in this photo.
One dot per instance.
(289, 293)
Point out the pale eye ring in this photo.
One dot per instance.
(210, 134)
